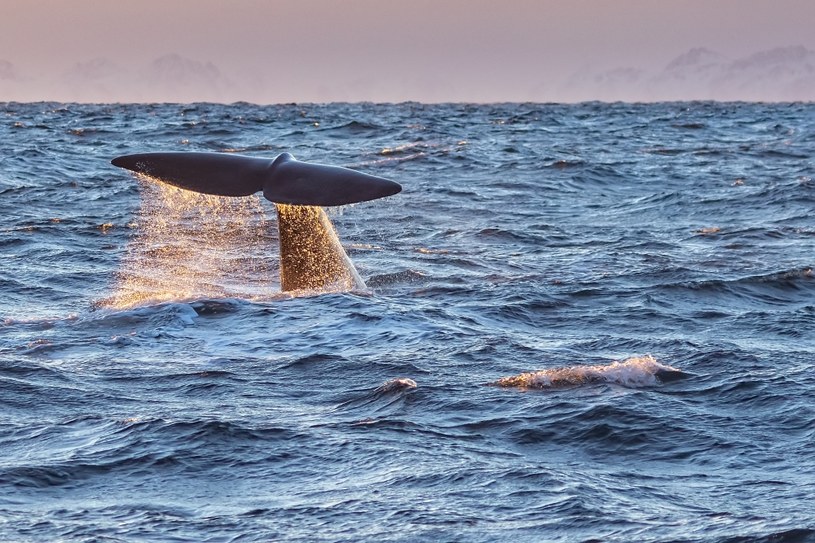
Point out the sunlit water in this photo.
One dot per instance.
(580, 323)
(188, 246)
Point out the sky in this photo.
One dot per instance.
(382, 50)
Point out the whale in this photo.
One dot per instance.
(311, 256)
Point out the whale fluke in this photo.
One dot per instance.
(220, 174)
(283, 180)
(311, 256)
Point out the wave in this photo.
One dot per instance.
(396, 385)
(395, 278)
(635, 372)
(560, 230)
(777, 288)
(352, 128)
(381, 401)
(249, 148)
(794, 535)
(100, 447)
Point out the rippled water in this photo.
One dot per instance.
(583, 323)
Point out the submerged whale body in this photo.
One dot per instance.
(311, 257)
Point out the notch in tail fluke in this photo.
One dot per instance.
(283, 180)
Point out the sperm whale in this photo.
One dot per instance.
(311, 257)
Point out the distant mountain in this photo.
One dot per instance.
(780, 74)
(698, 60)
(96, 80)
(689, 76)
(7, 71)
(785, 73)
(176, 78)
(616, 84)
(12, 84)
(96, 69)
(169, 78)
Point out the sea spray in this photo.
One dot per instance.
(191, 246)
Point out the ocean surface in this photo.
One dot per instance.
(581, 323)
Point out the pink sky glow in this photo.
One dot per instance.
(424, 50)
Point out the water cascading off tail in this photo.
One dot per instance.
(188, 245)
(311, 255)
(195, 246)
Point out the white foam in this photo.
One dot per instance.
(635, 372)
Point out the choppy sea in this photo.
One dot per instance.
(590, 322)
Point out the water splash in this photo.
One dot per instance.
(635, 372)
(192, 246)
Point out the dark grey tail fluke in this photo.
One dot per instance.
(211, 173)
(300, 183)
(283, 180)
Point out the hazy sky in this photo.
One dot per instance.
(426, 50)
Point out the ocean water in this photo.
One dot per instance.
(589, 322)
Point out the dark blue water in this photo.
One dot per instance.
(583, 323)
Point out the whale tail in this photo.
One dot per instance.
(311, 256)
(283, 180)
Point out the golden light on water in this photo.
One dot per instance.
(634, 372)
(312, 258)
(196, 246)
(191, 246)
